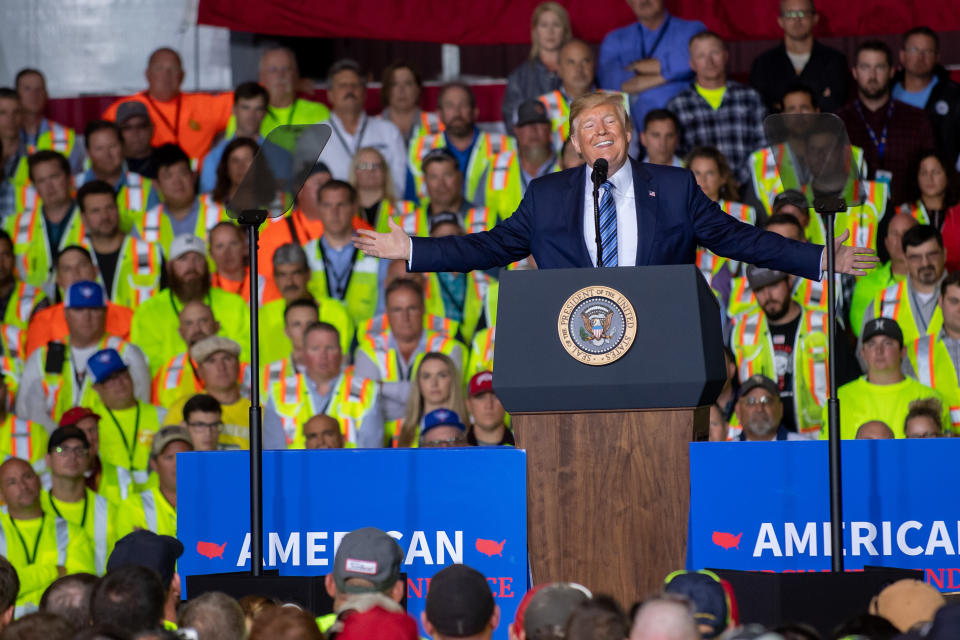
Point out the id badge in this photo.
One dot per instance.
(884, 176)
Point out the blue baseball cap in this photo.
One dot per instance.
(441, 418)
(84, 294)
(105, 363)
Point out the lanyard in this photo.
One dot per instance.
(174, 128)
(342, 279)
(131, 450)
(31, 558)
(83, 520)
(289, 117)
(343, 141)
(656, 43)
(882, 143)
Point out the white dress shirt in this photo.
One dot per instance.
(372, 131)
(626, 202)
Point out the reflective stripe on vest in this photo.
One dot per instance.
(100, 506)
(134, 192)
(149, 510)
(923, 350)
(21, 444)
(748, 335)
(151, 224)
(890, 304)
(500, 170)
(63, 539)
(59, 137)
(818, 373)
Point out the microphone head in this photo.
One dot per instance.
(600, 171)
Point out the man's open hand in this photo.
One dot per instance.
(856, 261)
(394, 245)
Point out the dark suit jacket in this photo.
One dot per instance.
(826, 73)
(673, 218)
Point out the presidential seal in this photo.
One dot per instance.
(597, 325)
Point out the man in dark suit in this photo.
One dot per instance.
(650, 215)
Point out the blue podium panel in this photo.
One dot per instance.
(766, 506)
(443, 506)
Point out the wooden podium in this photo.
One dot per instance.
(608, 481)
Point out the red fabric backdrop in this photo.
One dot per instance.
(508, 21)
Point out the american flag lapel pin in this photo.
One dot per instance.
(652, 194)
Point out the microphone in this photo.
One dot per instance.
(599, 177)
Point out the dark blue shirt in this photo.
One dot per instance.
(463, 157)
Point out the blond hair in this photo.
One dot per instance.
(387, 186)
(455, 402)
(596, 99)
(541, 9)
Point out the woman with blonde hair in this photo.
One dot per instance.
(549, 31)
(438, 386)
(370, 176)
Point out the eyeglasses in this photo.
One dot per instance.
(798, 15)
(762, 400)
(369, 166)
(205, 425)
(77, 452)
(917, 51)
(459, 441)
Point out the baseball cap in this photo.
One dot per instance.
(704, 589)
(105, 363)
(62, 434)
(459, 602)
(758, 277)
(440, 153)
(481, 383)
(75, 415)
(184, 244)
(532, 112)
(441, 418)
(144, 548)
(84, 295)
(377, 622)
(131, 109)
(759, 380)
(168, 434)
(791, 197)
(907, 602)
(444, 217)
(882, 327)
(203, 349)
(550, 608)
(370, 554)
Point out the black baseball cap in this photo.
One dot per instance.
(438, 154)
(791, 197)
(532, 112)
(759, 380)
(883, 327)
(62, 434)
(144, 548)
(459, 603)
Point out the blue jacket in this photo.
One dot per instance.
(673, 218)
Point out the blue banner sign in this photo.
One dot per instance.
(443, 506)
(765, 506)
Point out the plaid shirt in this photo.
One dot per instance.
(736, 128)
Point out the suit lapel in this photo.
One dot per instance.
(645, 196)
(575, 213)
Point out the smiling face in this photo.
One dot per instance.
(601, 132)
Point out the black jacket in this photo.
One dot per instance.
(826, 73)
(943, 108)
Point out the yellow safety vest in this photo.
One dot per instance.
(770, 173)
(117, 483)
(505, 184)
(31, 245)
(753, 344)
(808, 293)
(710, 263)
(478, 283)
(481, 353)
(388, 360)
(893, 303)
(351, 401)
(431, 322)
(361, 295)
(36, 556)
(147, 510)
(24, 439)
(154, 225)
(16, 319)
(933, 366)
(98, 520)
(558, 110)
(57, 137)
(138, 274)
(861, 221)
(485, 147)
(274, 343)
(132, 199)
(917, 210)
(399, 211)
(58, 388)
(175, 379)
(862, 401)
(125, 441)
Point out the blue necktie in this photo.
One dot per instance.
(608, 226)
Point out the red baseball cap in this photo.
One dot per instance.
(75, 415)
(481, 383)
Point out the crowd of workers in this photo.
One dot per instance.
(124, 281)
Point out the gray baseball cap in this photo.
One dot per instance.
(369, 554)
(758, 277)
